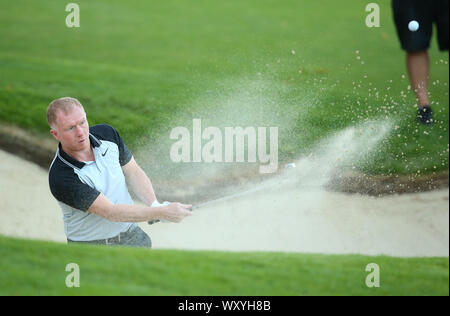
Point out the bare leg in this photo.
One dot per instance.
(418, 64)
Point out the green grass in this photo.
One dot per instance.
(147, 67)
(38, 268)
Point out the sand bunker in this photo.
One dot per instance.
(288, 217)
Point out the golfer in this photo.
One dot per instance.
(90, 176)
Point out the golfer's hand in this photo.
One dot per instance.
(176, 212)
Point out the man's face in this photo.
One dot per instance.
(72, 130)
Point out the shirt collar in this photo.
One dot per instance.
(72, 162)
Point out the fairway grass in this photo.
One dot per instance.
(38, 268)
(312, 68)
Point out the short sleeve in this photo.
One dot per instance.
(69, 190)
(125, 154)
(109, 133)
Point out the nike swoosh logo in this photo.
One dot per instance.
(105, 152)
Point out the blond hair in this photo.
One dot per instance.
(65, 104)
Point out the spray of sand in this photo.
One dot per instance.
(333, 156)
(347, 149)
(242, 102)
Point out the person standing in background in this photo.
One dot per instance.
(417, 42)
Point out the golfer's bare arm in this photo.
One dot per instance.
(174, 212)
(140, 185)
(138, 182)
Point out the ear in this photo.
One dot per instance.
(54, 134)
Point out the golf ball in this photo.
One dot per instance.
(413, 26)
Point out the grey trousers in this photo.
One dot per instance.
(133, 237)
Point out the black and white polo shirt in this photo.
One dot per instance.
(76, 185)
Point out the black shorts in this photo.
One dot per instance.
(426, 12)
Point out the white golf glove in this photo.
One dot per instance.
(157, 204)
